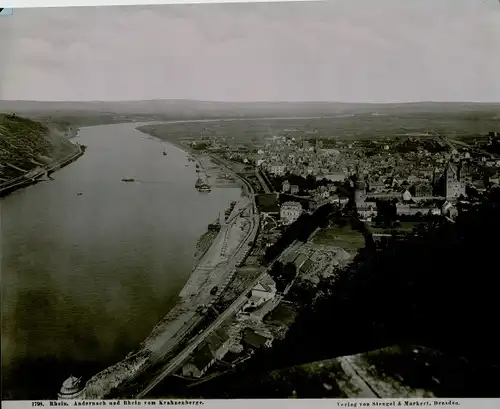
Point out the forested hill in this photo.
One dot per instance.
(26, 144)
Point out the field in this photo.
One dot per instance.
(356, 126)
(243, 123)
(401, 227)
(344, 237)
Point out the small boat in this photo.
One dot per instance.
(204, 188)
(79, 194)
(164, 152)
(199, 183)
(128, 180)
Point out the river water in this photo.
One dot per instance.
(85, 277)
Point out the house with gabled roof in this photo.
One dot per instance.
(262, 292)
(214, 348)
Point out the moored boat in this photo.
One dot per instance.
(199, 183)
(204, 188)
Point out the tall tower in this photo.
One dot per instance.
(359, 192)
(453, 186)
(72, 388)
(464, 173)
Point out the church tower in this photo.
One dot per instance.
(453, 186)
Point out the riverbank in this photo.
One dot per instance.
(32, 149)
(163, 341)
(200, 159)
(34, 177)
(107, 259)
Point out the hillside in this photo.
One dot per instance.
(27, 144)
(180, 109)
(408, 371)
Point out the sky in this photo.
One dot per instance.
(338, 50)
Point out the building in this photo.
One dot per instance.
(289, 212)
(336, 199)
(277, 169)
(449, 210)
(465, 173)
(436, 176)
(285, 187)
(333, 177)
(454, 188)
(422, 189)
(409, 209)
(403, 209)
(254, 340)
(294, 189)
(330, 152)
(360, 192)
(71, 388)
(367, 210)
(427, 172)
(213, 349)
(406, 196)
(376, 185)
(262, 292)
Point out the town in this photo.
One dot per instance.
(267, 200)
(319, 202)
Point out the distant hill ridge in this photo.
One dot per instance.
(184, 107)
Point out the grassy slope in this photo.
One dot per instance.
(25, 144)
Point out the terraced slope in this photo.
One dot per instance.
(27, 144)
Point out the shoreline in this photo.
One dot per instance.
(177, 322)
(22, 182)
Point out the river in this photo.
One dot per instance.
(90, 264)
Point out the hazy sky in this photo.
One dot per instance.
(339, 50)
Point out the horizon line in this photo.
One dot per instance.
(256, 101)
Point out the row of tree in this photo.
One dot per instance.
(301, 230)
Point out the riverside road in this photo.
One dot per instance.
(236, 258)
